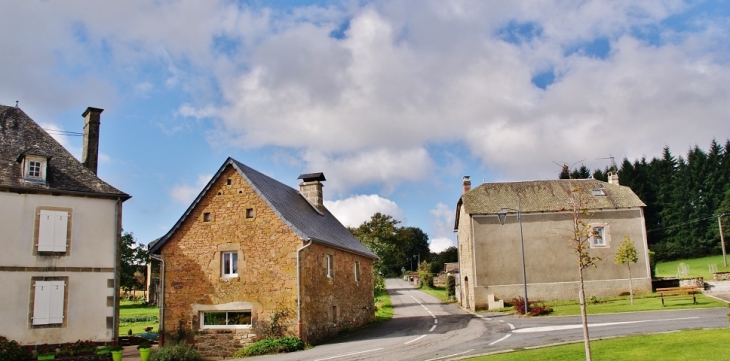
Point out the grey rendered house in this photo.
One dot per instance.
(490, 255)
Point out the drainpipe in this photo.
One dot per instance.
(299, 291)
(117, 269)
(161, 300)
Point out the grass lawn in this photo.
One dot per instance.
(130, 310)
(383, 307)
(684, 345)
(438, 292)
(698, 267)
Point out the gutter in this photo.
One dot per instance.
(117, 269)
(161, 300)
(299, 291)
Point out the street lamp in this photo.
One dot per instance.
(502, 216)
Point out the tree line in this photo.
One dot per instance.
(684, 197)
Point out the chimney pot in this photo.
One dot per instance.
(311, 189)
(466, 183)
(613, 178)
(90, 153)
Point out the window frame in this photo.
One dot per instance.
(226, 325)
(28, 164)
(330, 263)
(604, 235)
(60, 232)
(49, 301)
(232, 263)
(358, 271)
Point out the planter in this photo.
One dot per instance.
(144, 354)
(117, 355)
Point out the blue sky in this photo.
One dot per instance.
(394, 101)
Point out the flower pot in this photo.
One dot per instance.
(144, 354)
(117, 355)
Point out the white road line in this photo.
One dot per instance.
(570, 327)
(456, 354)
(432, 328)
(348, 354)
(511, 326)
(415, 339)
(501, 339)
(435, 320)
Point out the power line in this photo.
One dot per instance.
(63, 132)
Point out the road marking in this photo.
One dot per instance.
(432, 328)
(501, 339)
(435, 320)
(348, 354)
(511, 326)
(415, 339)
(456, 354)
(570, 327)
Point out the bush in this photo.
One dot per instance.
(537, 308)
(12, 351)
(178, 352)
(450, 286)
(378, 281)
(270, 346)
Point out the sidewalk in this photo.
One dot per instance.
(132, 354)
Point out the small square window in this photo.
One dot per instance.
(229, 264)
(228, 182)
(249, 213)
(34, 169)
(206, 217)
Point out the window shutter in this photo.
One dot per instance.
(60, 225)
(55, 309)
(41, 303)
(46, 231)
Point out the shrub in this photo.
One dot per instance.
(450, 286)
(12, 351)
(536, 308)
(178, 352)
(378, 281)
(270, 346)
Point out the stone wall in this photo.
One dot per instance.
(222, 344)
(721, 276)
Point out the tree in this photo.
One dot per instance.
(133, 255)
(448, 255)
(626, 254)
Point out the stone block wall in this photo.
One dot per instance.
(333, 304)
(721, 276)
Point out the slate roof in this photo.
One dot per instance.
(291, 207)
(20, 135)
(545, 196)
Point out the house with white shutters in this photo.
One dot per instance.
(60, 228)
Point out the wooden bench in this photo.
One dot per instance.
(683, 291)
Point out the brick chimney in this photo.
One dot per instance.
(613, 178)
(466, 183)
(311, 189)
(90, 153)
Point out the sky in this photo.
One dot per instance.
(395, 101)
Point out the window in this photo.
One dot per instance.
(330, 266)
(206, 217)
(599, 236)
(229, 264)
(225, 319)
(52, 231)
(48, 302)
(598, 192)
(249, 213)
(34, 168)
(357, 271)
(334, 314)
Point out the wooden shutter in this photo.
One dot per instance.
(52, 231)
(55, 310)
(48, 302)
(60, 230)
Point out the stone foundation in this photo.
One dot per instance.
(721, 276)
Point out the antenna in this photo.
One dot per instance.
(613, 163)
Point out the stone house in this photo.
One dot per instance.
(251, 249)
(60, 228)
(490, 254)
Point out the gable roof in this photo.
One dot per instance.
(291, 207)
(545, 196)
(19, 136)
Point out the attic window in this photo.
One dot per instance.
(206, 217)
(34, 168)
(598, 192)
(228, 182)
(249, 213)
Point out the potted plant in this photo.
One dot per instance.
(117, 352)
(144, 350)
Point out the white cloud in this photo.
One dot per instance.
(355, 210)
(185, 193)
(438, 245)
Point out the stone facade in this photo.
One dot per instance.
(232, 217)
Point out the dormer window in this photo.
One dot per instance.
(34, 168)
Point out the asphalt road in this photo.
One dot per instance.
(424, 329)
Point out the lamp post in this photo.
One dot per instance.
(502, 216)
(722, 237)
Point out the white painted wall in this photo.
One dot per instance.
(93, 239)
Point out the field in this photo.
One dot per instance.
(136, 317)
(698, 267)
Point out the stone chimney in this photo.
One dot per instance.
(613, 178)
(466, 183)
(311, 189)
(90, 153)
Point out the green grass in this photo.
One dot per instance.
(684, 345)
(438, 292)
(128, 309)
(698, 267)
(383, 306)
(648, 302)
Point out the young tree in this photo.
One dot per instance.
(133, 255)
(627, 254)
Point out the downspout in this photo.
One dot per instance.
(299, 291)
(161, 300)
(117, 268)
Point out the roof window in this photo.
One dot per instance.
(35, 168)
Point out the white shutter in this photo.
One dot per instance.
(46, 231)
(48, 302)
(55, 310)
(52, 231)
(60, 225)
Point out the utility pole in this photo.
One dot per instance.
(722, 238)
